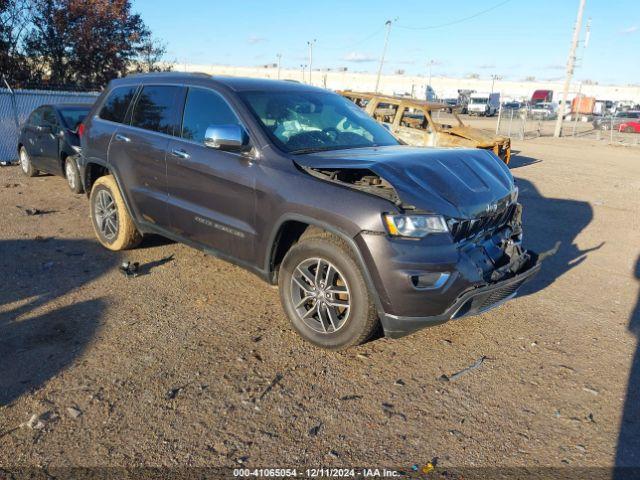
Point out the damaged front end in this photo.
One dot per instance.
(475, 263)
(494, 243)
(491, 268)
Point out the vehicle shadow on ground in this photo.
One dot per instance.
(549, 220)
(39, 335)
(628, 450)
(518, 161)
(151, 241)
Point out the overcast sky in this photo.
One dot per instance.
(516, 39)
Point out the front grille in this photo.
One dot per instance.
(463, 229)
(484, 301)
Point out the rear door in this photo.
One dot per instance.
(100, 128)
(211, 192)
(138, 151)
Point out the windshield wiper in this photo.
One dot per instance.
(300, 151)
(327, 149)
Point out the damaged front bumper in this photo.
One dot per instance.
(443, 277)
(472, 302)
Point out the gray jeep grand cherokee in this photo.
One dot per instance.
(301, 187)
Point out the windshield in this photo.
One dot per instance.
(479, 100)
(303, 122)
(72, 117)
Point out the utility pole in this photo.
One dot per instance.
(493, 81)
(302, 69)
(279, 57)
(587, 36)
(431, 62)
(310, 44)
(570, 67)
(384, 52)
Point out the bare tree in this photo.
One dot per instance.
(15, 17)
(150, 57)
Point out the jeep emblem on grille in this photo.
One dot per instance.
(492, 208)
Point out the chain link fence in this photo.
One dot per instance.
(16, 105)
(521, 125)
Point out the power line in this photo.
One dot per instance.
(359, 42)
(455, 22)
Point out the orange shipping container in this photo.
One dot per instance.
(583, 105)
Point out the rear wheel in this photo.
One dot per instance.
(629, 130)
(72, 174)
(25, 163)
(324, 293)
(111, 221)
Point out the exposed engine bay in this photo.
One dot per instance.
(360, 179)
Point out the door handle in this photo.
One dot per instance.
(180, 154)
(122, 138)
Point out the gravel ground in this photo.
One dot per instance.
(193, 362)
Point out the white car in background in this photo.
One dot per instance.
(544, 111)
(484, 104)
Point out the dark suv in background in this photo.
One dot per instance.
(301, 187)
(49, 142)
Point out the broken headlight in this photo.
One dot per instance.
(415, 226)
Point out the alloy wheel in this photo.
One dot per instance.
(70, 173)
(320, 295)
(106, 215)
(24, 160)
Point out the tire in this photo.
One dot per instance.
(111, 221)
(342, 327)
(72, 174)
(25, 163)
(629, 130)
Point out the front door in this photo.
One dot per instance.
(49, 140)
(211, 192)
(138, 151)
(32, 137)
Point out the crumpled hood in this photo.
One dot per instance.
(457, 183)
(484, 139)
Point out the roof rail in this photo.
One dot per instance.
(169, 74)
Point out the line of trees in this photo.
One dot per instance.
(81, 43)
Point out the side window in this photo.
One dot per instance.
(117, 103)
(202, 109)
(156, 109)
(49, 117)
(385, 112)
(414, 119)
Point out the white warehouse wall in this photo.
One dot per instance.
(444, 87)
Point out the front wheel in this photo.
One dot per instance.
(25, 163)
(324, 293)
(111, 221)
(629, 130)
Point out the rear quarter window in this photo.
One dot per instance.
(115, 106)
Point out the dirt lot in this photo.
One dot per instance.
(193, 363)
